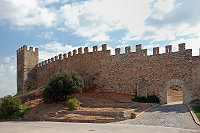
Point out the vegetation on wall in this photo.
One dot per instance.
(61, 85)
(11, 108)
(175, 87)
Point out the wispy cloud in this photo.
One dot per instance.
(8, 85)
(47, 35)
(62, 28)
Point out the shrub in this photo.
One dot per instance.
(62, 85)
(73, 104)
(11, 108)
(153, 99)
(175, 87)
(149, 99)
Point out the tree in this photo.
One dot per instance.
(11, 108)
(61, 85)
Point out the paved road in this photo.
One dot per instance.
(58, 127)
(171, 118)
(170, 115)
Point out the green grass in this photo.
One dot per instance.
(196, 111)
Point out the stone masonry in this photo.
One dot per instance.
(127, 73)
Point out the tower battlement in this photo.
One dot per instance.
(25, 48)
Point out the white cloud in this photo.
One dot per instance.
(176, 20)
(23, 13)
(8, 59)
(65, 1)
(47, 2)
(100, 38)
(55, 48)
(8, 85)
(151, 46)
(47, 35)
(112, 50)
(163, 34)
(161, 20)
(158, 21)
(62, 29)
(161, 8)
(191, 43)
(97, 17)
(122, 46)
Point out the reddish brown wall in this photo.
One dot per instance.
(128, 72)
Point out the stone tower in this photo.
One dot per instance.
(27, 60)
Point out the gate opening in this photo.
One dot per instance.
(174, 94)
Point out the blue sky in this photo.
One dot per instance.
(59, 26)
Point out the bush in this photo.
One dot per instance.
(175, 87)
(73, 104)
(61, 85)
(153, 99)
(149, 99)
(11, 108)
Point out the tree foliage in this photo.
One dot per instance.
(11, 108)
(61, 85)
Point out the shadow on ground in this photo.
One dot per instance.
(172, 107)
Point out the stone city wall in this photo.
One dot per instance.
(127, 73)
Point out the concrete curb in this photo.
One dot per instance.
(147, 110)
(196, 120)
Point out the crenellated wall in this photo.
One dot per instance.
(88, 64)
(126, 73)
(136, 72)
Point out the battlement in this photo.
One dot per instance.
(76, 53)
(143, 52)
(25, 48)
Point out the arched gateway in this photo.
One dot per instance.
(180, 83)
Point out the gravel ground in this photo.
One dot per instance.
(170, 115)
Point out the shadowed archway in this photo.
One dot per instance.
(175, 82)
(174, 94)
